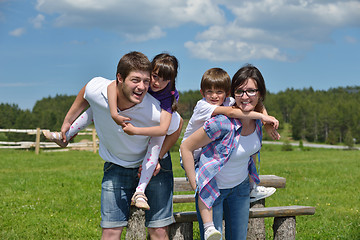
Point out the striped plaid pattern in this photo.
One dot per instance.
(224, 133)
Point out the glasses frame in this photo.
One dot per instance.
(246, 92)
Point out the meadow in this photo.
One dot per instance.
(57, 195)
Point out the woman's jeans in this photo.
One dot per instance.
(233, 206)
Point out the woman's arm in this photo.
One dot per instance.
(165, 119)
(112, 98)
(196, 140)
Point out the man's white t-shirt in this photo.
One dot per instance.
(202, 112)
(114, 144)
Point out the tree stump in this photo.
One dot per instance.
(256, 226)
(284, 228)
(136, 226)
(181, 231)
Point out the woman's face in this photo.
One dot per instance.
(247, 95)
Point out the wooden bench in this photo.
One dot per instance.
(284, 225)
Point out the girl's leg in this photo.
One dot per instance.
(85, 119)
(148, 167)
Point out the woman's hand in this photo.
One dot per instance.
(266, 119)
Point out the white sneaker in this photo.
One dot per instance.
(212, 234)
(260, 192)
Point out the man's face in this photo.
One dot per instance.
(133, 88)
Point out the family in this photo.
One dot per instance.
(137, 123)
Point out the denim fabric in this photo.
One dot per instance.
(118, 186)
(233, 206)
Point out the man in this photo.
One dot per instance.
(124, 153)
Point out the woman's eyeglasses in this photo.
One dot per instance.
(249, 92)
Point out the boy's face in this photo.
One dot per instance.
(214, 96)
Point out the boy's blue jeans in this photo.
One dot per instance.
(233, 206)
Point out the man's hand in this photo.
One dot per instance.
(64, 128)
(156, 171)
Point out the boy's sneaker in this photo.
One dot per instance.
(260, 192)
(212, 234)
(55, 137)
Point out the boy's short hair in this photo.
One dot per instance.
(216, 78)
(133, 61)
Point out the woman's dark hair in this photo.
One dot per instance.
(243, 75)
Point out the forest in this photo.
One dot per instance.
(331, 116)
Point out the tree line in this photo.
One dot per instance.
(331, 116)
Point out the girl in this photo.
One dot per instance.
(162, 87)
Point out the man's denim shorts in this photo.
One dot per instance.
(118, 186)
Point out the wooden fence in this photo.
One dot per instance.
(93, 145)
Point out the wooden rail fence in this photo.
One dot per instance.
(93, 145)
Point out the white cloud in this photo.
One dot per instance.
(133, 19)
(350, 39)
(230, 50)
(271, 29)
(38, 21)
(233, 30)
(17, 32)
(153, 33)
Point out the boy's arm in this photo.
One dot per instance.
(270, 129)
(112, 98)
(235, 112)
(165, 120)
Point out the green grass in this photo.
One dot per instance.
(57, 195)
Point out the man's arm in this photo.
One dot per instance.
(76, 108)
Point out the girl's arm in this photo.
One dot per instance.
(165, 119)
(196, 140)
(112, 98)
(235, 112)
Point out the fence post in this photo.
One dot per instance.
(94, 140)
(37, 141)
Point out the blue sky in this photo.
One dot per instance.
(50, 47)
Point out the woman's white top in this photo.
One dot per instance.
(235, 171)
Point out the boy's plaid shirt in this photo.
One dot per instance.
(224, 133)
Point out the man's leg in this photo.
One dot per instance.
(111, 233)
(160, 233)
(117, 187)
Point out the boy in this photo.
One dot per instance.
(215, 87)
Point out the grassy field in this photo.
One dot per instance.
(57, 195)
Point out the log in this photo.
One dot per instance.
(284, 228)
(256, 226)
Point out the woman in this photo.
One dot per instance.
(222, 181)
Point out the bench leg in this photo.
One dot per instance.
(136, 225)
(284, 228)
(181, 231)
(256, 226)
